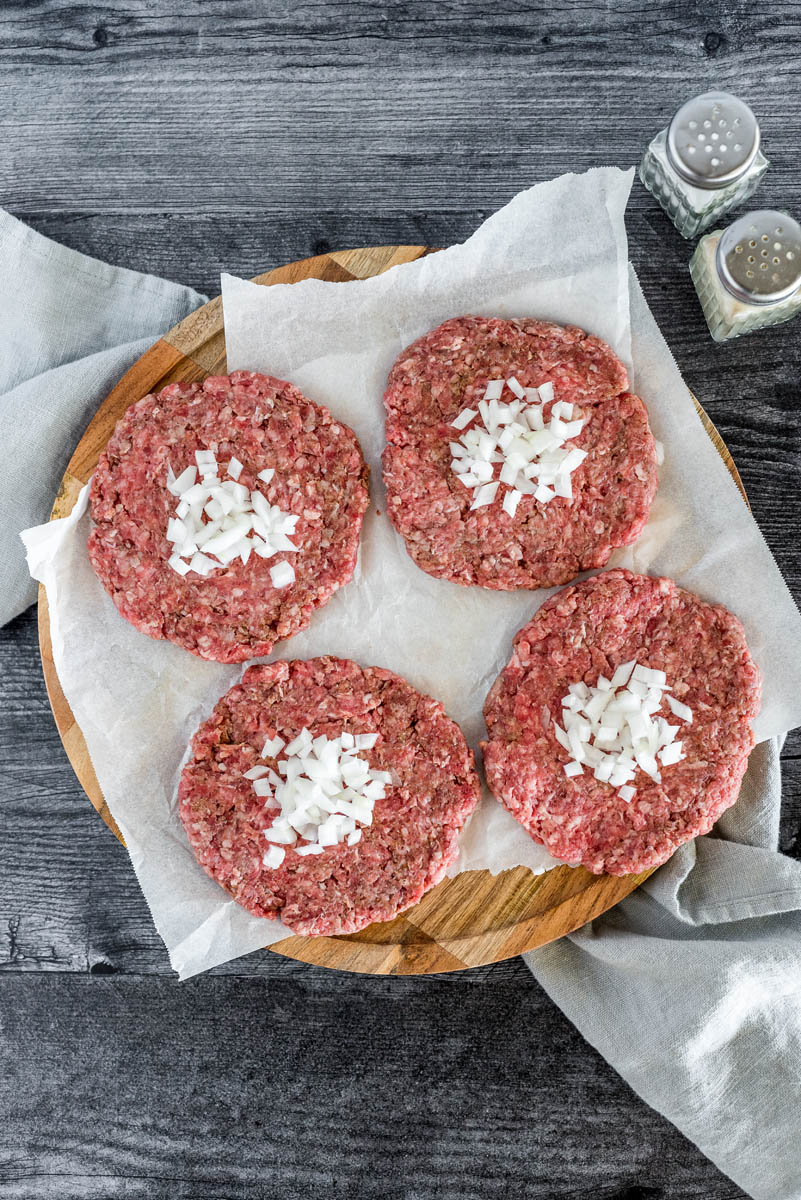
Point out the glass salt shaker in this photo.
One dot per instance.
(705, 162)
(749, 275)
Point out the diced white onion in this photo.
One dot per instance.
(366, 741)
(562, 486)
(464, 418)
(256, 772)
(322, 788)
(201, 564)
(533, 460)
(272, 747)
(178, 564)
(680, 710)
(652, 678)
(605, 768)
(218, 521)
(282, 574)
(614, 728)
(485, 495)
(511, 501)
(283, 837)
(184, 481)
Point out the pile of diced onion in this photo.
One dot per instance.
(217, 520)
(614, 728)
(324, 789)
(532, 455)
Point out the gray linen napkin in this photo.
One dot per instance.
(691, 988)
(70, 327)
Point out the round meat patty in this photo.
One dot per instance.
(542, 545)
(590, 630)
(233, 613)
(413, 837)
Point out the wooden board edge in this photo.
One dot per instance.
(418, 953)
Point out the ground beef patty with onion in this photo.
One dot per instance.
(589, 630)
(233, 613)
(413, 837)
(542, 545)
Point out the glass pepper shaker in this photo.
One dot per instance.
(749, 275)
(705, 162)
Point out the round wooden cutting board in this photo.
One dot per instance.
(467, 921)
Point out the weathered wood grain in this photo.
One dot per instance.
(571, 36)
(359, 106)
(183, 139)
(225, 1089)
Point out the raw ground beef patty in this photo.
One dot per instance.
(414, 835)
(234, 613)
(447, 371)
(591, 629)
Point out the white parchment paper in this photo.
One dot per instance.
(557, 251)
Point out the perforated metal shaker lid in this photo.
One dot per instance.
(758, 258)
(712, 140)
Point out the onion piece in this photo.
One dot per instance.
(511, 501)
(464, 418)
(178, 564)
(282, 574)
(485, 495)
(679, 710)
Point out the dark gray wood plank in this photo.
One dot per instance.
(312, 34)
(375, 1089)
(359, 106)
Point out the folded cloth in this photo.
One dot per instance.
(691, 989)
(70, 327)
